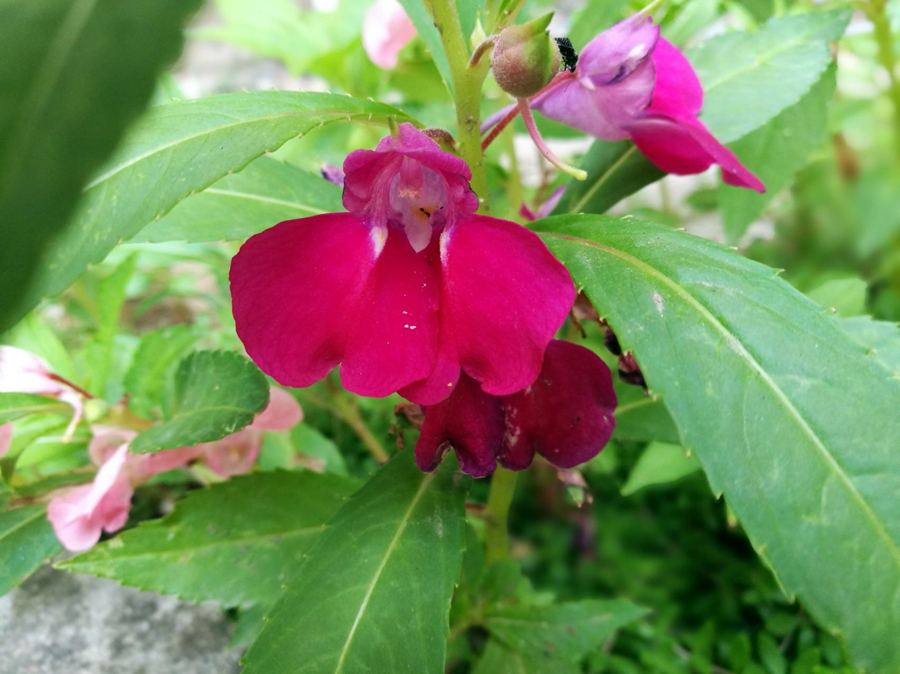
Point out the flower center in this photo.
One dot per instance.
(418, 197)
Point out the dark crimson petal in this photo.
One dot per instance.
(506, 295)
(566, 416)
(471, 422)
(294, 289)
(392, 340)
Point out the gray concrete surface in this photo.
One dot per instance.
(62, 623)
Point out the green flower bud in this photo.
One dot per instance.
(525, 58)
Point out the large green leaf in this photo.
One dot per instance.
(217, 393)
(642, 417)
(564, 631)
(792, 420)
(775, 152)
(240, 205)
(660, 463)
(151, 374)
(615, 171)
(748, 78)
(26, 541)
(237, 542)
(430, 34)
(374, 591)
(75, 73)
(179, 149)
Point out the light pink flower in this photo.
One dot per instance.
(386, 30)
(631, 83)
(24, 372)
(404, 291)
(6, 431)
(566, 416)
(236, 454)
(80, 515)
(138, 467)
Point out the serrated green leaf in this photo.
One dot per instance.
(499, 659)
(26, 541)
(176, 150)
(660, 463)
(151, 367)
(563, 631)
(236, 543)
(788, 416)
(217, 393)
(615, 171)
(18, 405)
(880, 338)
(375, 588)
(75, 73)
(267, 192)
(774, 153)
(748, 78)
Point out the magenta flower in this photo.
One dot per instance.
(566, 416)
(631, 83)
(406, 289)
(386, 30)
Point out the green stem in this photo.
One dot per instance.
(467, 84)
(351, 416)
(876, 11)
(496, 542)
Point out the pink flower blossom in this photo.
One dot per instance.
(6, 431)
(566, 416)
(24, 372)
(631, 83)
(79, 516)
(236, 453)
(406, 289)
(386, 30)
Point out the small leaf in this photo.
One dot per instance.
(499, 659)
(75, 73)
(430, 34)
(375, 588)
(26, 541)
(615, 171)
(265, 193)
(151, 367)
(564, 631)
(217, 393)
(660, 463)
(18, 405)
(176, 150)
(791, 420)
(642, 418)
(748, 78)
(237, 542)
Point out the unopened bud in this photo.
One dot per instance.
(525, 58)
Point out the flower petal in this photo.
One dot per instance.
(678, 91)
(507, 296)
(234, 454)
(566, 415)
(684, 146)
(618, 51)
(6, 432)
(294, 288)
(392, 340)
(386, 30)
(281, 414)
(471, 422)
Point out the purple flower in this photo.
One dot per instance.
(566, 416)
(405, 290)
(631, 83)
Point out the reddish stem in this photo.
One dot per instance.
(74, 387)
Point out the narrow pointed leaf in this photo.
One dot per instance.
(374, 591)
(237, 542)
(176, 150)
(26, 541)
(789, 417)
(18, 405)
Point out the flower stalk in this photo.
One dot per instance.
(500, 496)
